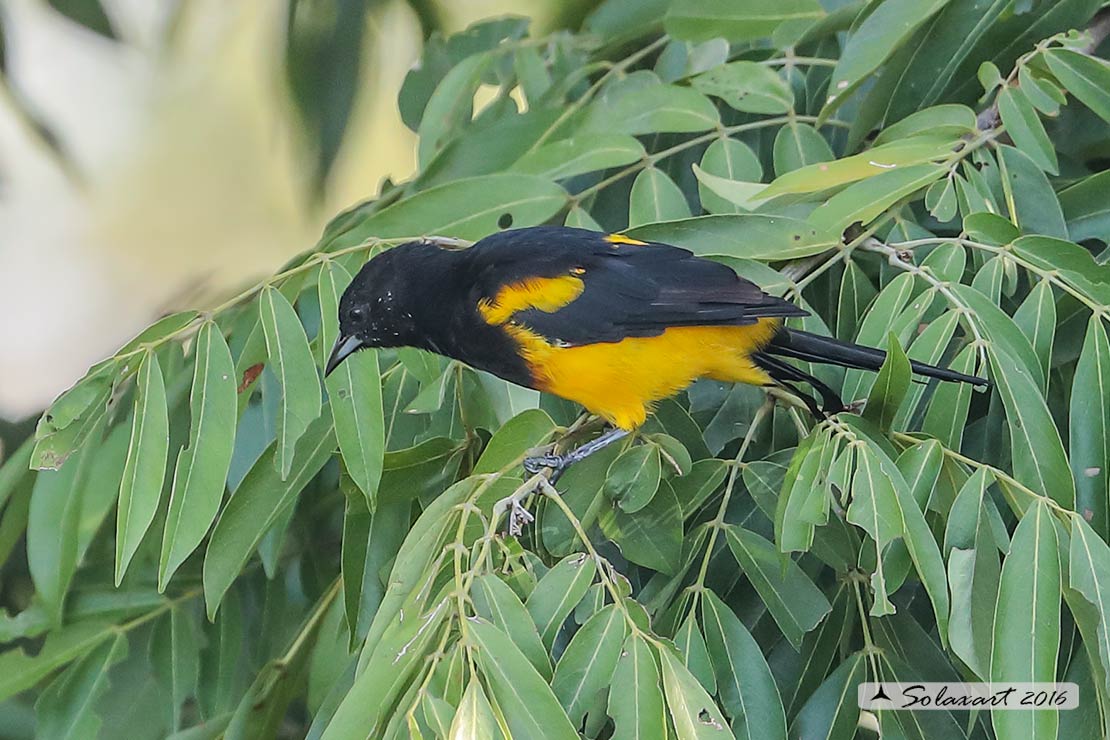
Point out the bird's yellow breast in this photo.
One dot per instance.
(620, 381)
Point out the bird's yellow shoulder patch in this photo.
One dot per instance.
(622, 239)
(545, 294)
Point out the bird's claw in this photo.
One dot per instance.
(538, 463)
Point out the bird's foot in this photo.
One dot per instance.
(537, 463)
(555, 463)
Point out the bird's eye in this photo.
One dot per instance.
(356, 314)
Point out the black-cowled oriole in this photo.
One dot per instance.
(612, 323)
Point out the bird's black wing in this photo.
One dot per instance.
(630, 290)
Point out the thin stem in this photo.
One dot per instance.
(718, 522)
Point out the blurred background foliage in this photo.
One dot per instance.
(156, 154)
(203, 539)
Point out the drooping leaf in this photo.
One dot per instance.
(354, 390)
(258, 502)
(141, 487)
(587, 665)
(1038, 453)
(1089, 426)
(747, 687)
(636, 694)
(530, 707)
(201, 471)
(558, 592)
(695, 715)
(793, 600)
(1027, 620)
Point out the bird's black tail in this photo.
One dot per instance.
(802, 345)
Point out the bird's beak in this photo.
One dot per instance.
(344, 347)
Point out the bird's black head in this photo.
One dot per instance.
(378, 306)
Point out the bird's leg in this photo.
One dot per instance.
(559, 463)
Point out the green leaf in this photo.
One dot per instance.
(1036, 317)
(451, 105)
(747, 688)
(695, 488)
(587, 666)
(880, 34)
(1027, 620)
(875, 509)
(651, 537)
(1068, 260)
(145, 469)
(73, 415)
(651, 109)
(749, 235)
(738, 195)
(201, 471)
(496, 602)
(635, 696)
(973, 573)
(1036, 209)
(1025, 128)
(727, 160)
(65, 709)
(919, 466)
(747, 86)
(799, 145)
(522, 433)
(174, 653)
(940, 200)
(1036, 449)
(695, 655)
(467, 209)
(888, 159)
(1085, 76)
(654, 198)
(890, 387)
(291, 361)
(1086, 206)
(529, 706)
(421, 546)
(864, 201)
(355, 391)
(259, 501)
(947, 414)
(701, 20)
(693, 712)
(20, 671)
(1089, 427)
(803, 501)
(1001, 330)
(53, 520)
(1089, 574)
(474, 717)
(1045, 96)
(400, 651)
(939, 120)
(558, 592)
(634, 476)
(795, 603)
(875, 328)
(929, 347)
(576, 156)
(832, 710)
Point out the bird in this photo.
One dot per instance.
(613, 323)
